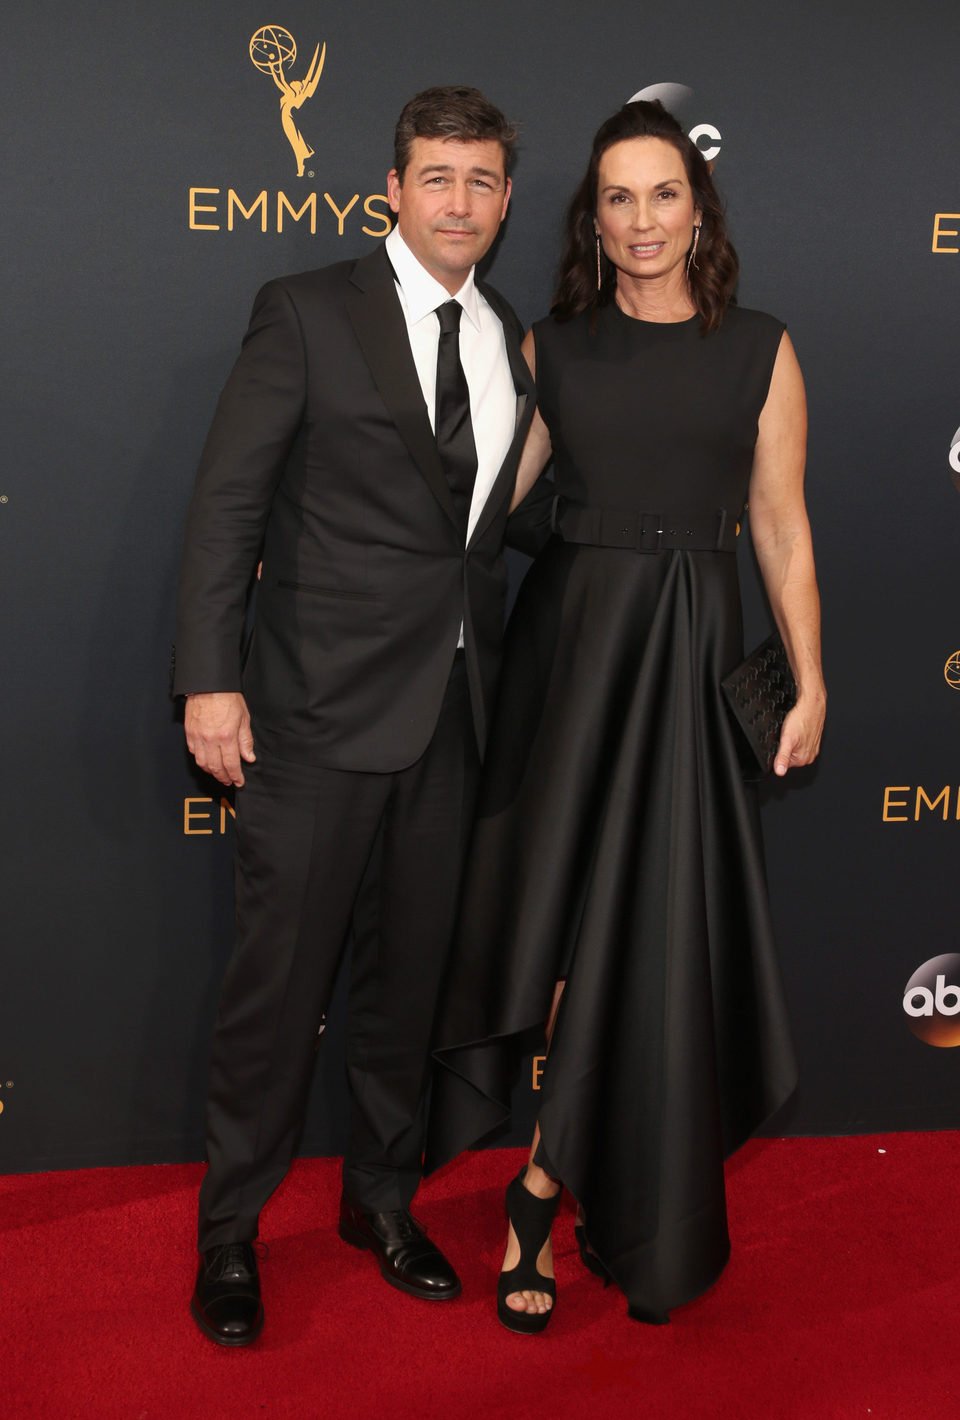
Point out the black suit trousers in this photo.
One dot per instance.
(318, 851)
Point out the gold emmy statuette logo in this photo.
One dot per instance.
(273, 49)
(951, 671)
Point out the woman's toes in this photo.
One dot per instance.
(529, 1301)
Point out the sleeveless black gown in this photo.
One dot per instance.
(617, 842)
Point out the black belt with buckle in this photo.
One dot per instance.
(644, 532)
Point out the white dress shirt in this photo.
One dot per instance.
(483, 355)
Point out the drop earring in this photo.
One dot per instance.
(692, 258)
(599, 273)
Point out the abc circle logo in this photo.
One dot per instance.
(955, 460)
(677, 99)
(931, 1001)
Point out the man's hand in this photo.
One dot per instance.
(217, 726)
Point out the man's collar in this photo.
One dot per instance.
(422, 292)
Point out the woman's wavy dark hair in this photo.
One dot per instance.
(714, 277)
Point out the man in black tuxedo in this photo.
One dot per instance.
(365, 449)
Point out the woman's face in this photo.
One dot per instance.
(645, 208)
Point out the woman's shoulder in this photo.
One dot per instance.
(745, 322)
(551, 321)
(551, 333)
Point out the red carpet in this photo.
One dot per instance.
(842, 1299)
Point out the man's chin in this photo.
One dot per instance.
(457, 264)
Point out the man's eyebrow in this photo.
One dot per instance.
(448, 168)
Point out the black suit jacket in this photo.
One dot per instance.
(322, 460)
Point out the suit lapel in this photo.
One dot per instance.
(381, 331)
(519, 369)
(526, 399)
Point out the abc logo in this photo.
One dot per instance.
(676, 98)
(932, 1001)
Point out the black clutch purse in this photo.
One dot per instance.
(760, 692)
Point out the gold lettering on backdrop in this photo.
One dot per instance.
(383, 217)
(285, 209)
(190, 814)
(931, 804)
(538, 1063)
(273, 49)
(921, 799)
(341, 216)
(234, 201)
(193, 815)
(939, 231)
(196, 207)
(284, 202)
(889, 803)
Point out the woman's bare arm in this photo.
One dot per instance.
(537, 448)
(781, 537)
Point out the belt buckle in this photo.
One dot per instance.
(643, 532)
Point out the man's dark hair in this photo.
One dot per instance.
(452, 111)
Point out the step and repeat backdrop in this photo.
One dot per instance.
(163, 160)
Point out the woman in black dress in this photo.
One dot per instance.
(616, 887)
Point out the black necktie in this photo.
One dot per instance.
(458, 452)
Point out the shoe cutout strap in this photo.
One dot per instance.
(531, 1218)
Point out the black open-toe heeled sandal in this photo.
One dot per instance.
(531, 1218)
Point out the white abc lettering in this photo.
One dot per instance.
(926, 1001)
(942, 993)
(706, 130)
(955, 457)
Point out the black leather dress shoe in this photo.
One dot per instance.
(226, 1300)
(407, 1257)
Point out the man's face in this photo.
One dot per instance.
(450, 204)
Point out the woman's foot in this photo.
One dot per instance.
(532, 1201)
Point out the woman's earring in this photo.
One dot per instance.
(599, 273)
(692, 258)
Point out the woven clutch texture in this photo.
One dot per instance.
(760, 692)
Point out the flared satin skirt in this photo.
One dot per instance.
(618, 845)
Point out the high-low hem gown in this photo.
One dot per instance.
(617, 842)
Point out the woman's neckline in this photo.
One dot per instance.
(645, 320)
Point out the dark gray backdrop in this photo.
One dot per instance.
(840, 130)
